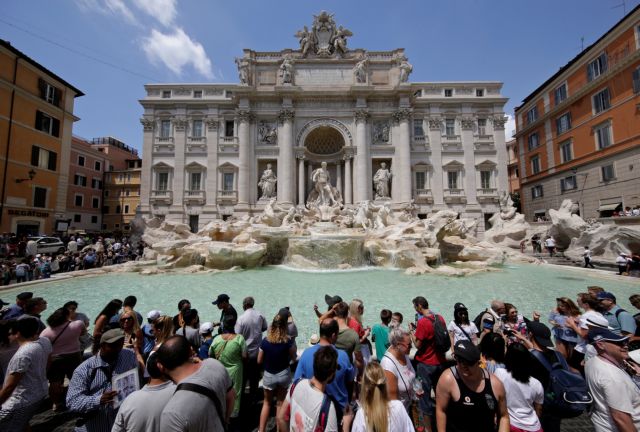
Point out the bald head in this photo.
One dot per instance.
(497, 306)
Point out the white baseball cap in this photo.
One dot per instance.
(154, 315)
(206, 327)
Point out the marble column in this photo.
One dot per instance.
(146, 181)
(286, 163)
(501, 150)
(347, 180)
(468, 146)
(179, 124)
(244, 143)
(339, 177)
(211, 182)
(435, 141)
(402, 170)
(363, 163)
(301, 183)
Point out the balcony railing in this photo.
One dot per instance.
(161, 139)
(487, 194)
(228, 140)
(423, 195)
(453, 191)
(484, 146)
(454, 195)
(450, 138)
(196, 148)
(164, 148)
(194, 196)
(162, 196)
(227, 196)
(487, 191)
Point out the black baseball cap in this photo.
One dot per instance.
(466, 351)
(541, 333)
(331, 301)
(25, 295)
(459, 306)
(221, 298)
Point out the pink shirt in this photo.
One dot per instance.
(69, 340)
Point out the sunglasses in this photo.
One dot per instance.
(126, 319)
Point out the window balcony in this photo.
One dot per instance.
(228, 145)
(161, 196)
(164, 148)
(454, 196)
(420, 142)
(487, 195)
(197, 140)
(164, 140)
(194, 197)
(484, 146)
(423, 196)
(200, 147)
(227, 197)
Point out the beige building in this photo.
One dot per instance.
(208, 147)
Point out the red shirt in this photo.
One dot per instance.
(424, 332)
(355, 325)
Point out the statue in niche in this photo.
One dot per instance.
(307, 40)
(381, 133)
(322, 185)
(268, 133)
(405, 70)
(243, 70)
(381, 180)
(267, 183)
(360, 71)
(339, 40)
(286, 70)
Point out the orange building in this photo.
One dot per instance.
(578, 134)
(36, 121)
(513, 172)
(86, 178)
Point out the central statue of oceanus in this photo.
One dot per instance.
(325, 37)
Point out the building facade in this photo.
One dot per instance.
(513, 171)
(86, 175)
(122, 196)
(208, 149)
(36, 121)
(578, 134)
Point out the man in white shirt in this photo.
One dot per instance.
(616, 399)
(251, 324)
(622, 261)
(550, 244)
(587, 257)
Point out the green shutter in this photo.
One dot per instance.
(53, 157)
(35, 155)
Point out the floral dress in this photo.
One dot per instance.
(520, 326)
(230, 353)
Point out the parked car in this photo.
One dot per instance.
(49, 245)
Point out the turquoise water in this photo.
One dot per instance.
(529, 287)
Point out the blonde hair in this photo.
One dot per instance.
(163, 328)
(278, 331)
(354, 309)
(134, 316)
(374, 399)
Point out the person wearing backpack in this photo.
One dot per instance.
(620, 321)
(431, 339)
(22, 271)
(616, 398)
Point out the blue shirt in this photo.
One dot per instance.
(203, 352)
(14, 311)
(624, 322)
(89, 381)
(337, 389)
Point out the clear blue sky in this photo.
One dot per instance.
(110, 48)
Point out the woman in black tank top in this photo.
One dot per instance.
(473, 411)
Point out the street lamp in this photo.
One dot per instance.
(31, 175)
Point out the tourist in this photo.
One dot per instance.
(206, 331)
(14, 311)
(594, 290)
(183, 305)
(622, 261)
(309, 403)
(396, 320)
(616, 405)
(356, 310)
(8, 347)
(398, 369)
(222, 302)
(550, 244)
(380, 333)
(163, 330)
(378, 412)
(275, 353)
(621, 321)
(468, 398)
(147, 333)
(566, 338)
(341, 386)
(292, 328)
(429, 357)
(460, 327)
(513, 323)
(492, 349)
(348, 339)
(251, 324)
(22, 271)
(634, 341)
(492, 315)
(190, 328)
(101, 323)
(133, 338)
(330, 301)
(589, 304)
(587, 257)
(128, 305)
(230, 349)
(524, 393)
(66, 354)
(25, 384)
(187, 410)
(90, 393)
(141, 410)
(33, 308)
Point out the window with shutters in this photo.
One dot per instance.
(95, 202)
(165, 128)
(47, 124)
(601, 101)
(49, 93)
(482, 126)
(126, 209)
(94, 219)
(597, 67)
(560, 93)
(81, 160)
(196, 130)
(533, 141)
(485, 179)
(39, 197)
(563, 123)
(568, 183)
(77, 218)
(636, 80)
(97, 165)
(96, 183)
(228, 128)
(608, 173)
(450, 127)
(43, 158)
(452, 179)
(418, 131)
(602, 134)
(536, 192)
(532, 115)
(566, 151)
(79, 200)
(535, 164)
(80, 180)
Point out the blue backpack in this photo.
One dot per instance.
(567, 394)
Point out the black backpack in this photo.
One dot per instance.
(442, 342)
(567, 394)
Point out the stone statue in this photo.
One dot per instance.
(381, 133)
(405, 70)
(307, 40)
(381, 181)
(243, 70)
(363, 216)
(507, 210)
(322, 185)
(286, 71)
(268, 133)
(272, 214)
(409, 211)
(339, 40)
(360, 71)
(267, 183)
(382, 217)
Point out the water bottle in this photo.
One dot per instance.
(418, 390)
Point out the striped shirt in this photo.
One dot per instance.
(90, 380)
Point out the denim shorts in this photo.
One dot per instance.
(273, 381)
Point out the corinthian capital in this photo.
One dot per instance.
(401, 115)
(361, 115)
(467, 123)
(498, 122)
(212, 123)
(435, 124)
(286, 115)
(147, 124)
(244, 115)
(179, 123)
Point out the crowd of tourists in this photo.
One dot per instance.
(500, 371)
(20, 260)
